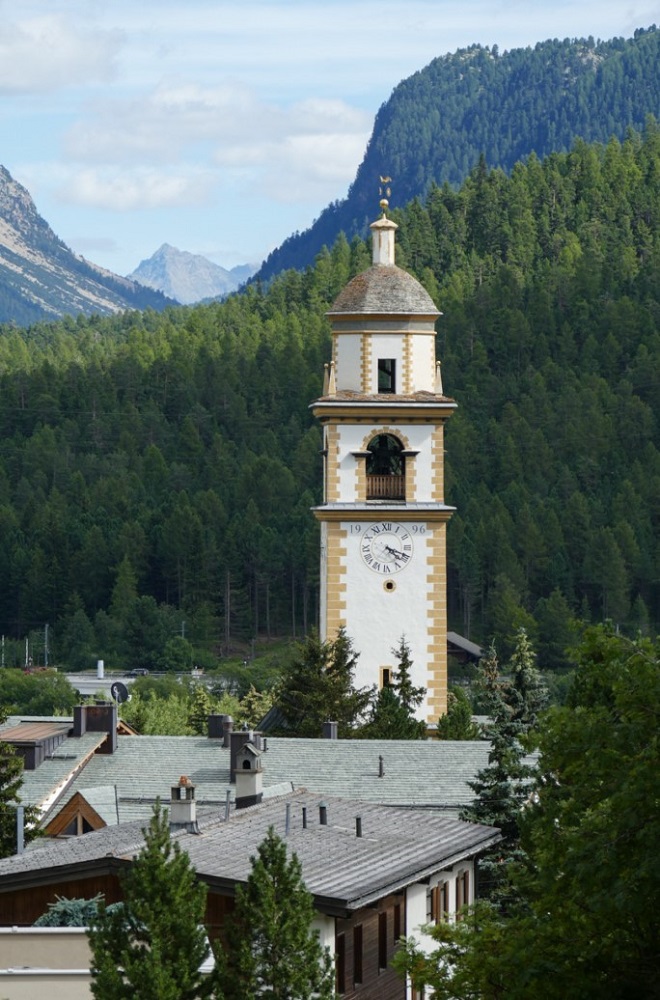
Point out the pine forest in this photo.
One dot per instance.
(157, 469)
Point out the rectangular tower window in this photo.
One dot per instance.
(385, 677)
(387, 375)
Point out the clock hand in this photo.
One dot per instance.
(395, 552)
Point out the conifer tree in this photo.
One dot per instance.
(152, 947)
(201, 706)
(11, 769)
(318, 687)
(272, 950)
(503, 785)
(456, 723)
(393, 713)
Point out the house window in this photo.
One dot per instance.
(340, 964)
(382, 940)
(357, 954)
(397, 922)
(386, 375)
(438, 903)
(462, 891)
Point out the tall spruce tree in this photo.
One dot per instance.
(393, 712)
(272, 950)
(504, 784)
(152, 947)
(318, 687)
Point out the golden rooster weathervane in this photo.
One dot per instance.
(384, 192)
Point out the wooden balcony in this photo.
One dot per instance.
(386, 487)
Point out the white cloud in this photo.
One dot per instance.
(48, 52)
(292, 153)
(126, 191)
(177, 115)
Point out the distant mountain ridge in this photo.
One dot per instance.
(439, 121)
(41, 278)
(188, 277)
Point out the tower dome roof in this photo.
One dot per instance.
(384, 289)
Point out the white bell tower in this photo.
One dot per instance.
(383, 516)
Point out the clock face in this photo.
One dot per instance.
(386, 547)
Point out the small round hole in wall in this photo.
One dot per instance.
(389, 586)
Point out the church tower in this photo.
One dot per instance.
(383, 516)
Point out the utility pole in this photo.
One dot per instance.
(46, 627)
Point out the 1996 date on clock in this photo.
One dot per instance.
(386, 546)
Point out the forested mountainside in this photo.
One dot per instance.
(40, 278)
(159, 468)
(438, 122)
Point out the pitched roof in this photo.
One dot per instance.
(342, 870)
(419, 774)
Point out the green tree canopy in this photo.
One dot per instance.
(585, 925)
(317, 687)
(272, 950)
(153, 946)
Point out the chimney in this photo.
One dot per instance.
(227, 727)
(381, 768)
(79, 720)
(101, 717)
(237, 741)
(183, 809)
(329, 730)
(215, 727)
(247, 775)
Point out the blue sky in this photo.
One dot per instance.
(222, 127)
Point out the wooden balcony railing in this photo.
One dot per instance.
(386, 487)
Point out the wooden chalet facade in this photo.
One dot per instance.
(373, 872)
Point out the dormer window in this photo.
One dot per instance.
(386, 375)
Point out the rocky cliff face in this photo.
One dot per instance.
(40, 278)
(189, 277)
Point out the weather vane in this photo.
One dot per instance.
(384, 191)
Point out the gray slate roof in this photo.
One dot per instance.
(384, 289)
(60, 769)
(343, 871)
(430, 775)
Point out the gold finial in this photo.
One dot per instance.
(384, 191)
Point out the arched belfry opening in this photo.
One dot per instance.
(386, 471)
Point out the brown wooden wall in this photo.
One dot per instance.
(378, 983)
(378, 925)
(22, 906)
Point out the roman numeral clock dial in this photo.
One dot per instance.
(386, 547)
